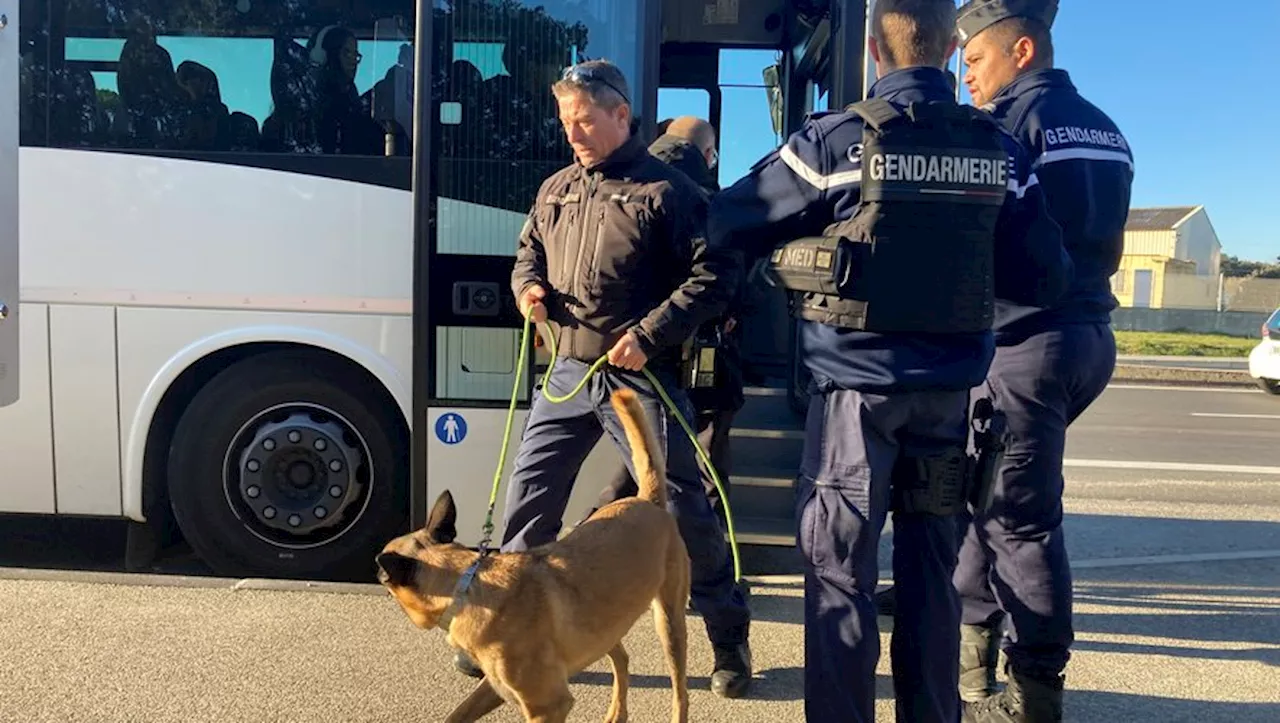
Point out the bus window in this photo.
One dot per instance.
(196, 76)
(674, 102)
(746, 131)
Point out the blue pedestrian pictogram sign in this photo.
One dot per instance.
(451, 428)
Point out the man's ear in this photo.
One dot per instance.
(1025, 52)
(400, 570)
(441, 523)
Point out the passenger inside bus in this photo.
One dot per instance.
(343, 122)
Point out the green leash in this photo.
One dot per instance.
(511, 414)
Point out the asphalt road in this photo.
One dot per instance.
(1179, 426)
(1172, 522)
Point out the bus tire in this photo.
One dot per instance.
(289, 464)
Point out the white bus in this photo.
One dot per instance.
(250, 285)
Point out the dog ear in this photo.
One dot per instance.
(399, 570)
(441, 523)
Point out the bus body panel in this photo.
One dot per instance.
(10, 334)
(217, 235)
(26, 436)
(86, 420)
(475, 453)
(157, 345)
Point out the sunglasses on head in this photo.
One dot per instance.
(579, 75)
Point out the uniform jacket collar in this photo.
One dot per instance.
(913, 85)
(1036, 79)
(623, 157)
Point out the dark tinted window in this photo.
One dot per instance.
(233, 75)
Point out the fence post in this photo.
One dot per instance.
(1221, 290)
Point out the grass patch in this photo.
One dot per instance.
(1150, 343)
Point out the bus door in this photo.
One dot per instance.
(10, 57)
(489, 136)
(755, 70)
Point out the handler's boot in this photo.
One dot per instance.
(979, 653)
(1024, 700)
(732, 675)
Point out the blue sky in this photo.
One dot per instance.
(1187, 86)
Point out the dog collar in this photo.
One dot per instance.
(460, 592)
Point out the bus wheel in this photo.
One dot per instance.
(289, 464)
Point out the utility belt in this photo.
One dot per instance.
(945, 482)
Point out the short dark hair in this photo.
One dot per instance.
(601, 80)
(914, 32)
(1008, 31)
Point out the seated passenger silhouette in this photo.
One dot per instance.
(343, 125)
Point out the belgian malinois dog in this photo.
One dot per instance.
(531, 620)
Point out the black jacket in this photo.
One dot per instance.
(684, 156)
(727, 395)
(622, 246)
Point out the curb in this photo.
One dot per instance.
(1182, 375)
(188, 581)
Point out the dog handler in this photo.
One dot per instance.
(923, 209)
(1050, 364)
(689, 146)
(614, 256)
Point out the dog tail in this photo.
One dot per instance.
(646, 452)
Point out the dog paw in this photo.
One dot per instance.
(616, 716)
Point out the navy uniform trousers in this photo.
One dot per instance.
(557, 440)
(852, 443)
(1013, 559)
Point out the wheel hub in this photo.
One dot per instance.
(299, 475)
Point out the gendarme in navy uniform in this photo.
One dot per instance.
(1050, 364)
(935, 211)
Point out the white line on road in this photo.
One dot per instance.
(1166, 388)
(1171, 466)
(886, 576)
(1225, 415)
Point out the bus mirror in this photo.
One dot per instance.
(773, 88)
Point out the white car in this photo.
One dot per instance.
(1264, 360)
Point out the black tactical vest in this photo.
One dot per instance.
(917, 255)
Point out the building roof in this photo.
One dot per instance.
(1158, 219)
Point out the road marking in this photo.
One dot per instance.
(1167, 388)
(1146, 560)
(766, 433)
(1225, 415)
(1102, 563)
(1171, 466)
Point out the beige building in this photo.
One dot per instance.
(1172, 259)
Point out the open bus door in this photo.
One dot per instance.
(488, 135)
(10, 57)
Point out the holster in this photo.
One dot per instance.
(933, 484)
(698, 357)
(989, 428)
(943, 482)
